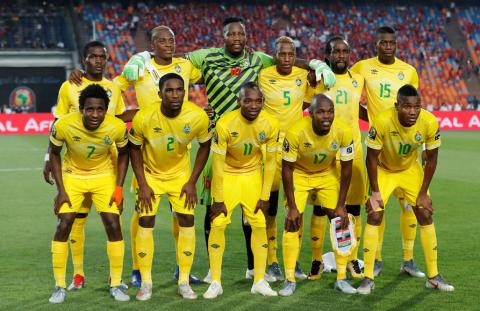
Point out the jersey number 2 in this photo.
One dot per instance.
(170, 141)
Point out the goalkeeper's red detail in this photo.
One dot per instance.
(118, 195)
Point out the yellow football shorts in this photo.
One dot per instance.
(323, 188)
(244, 190)
(172, 188)
(277, 179)
(99, 190)
(407, 182)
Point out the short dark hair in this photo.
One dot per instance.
(93, 91)
(407, 90)
(385, 29)
(232, 19)
(169, 76)
(320, 98)
(91, 44)
(250, 86)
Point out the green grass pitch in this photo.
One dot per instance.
(27, 226)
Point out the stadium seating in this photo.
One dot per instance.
(422, 40)
(469, 20)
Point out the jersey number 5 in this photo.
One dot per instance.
(286, 95)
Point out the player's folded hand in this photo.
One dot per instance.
(374, 202)
(134, 68)
(60, 199)
(341, 212)
(216, 209)
(145, 198)
(190, 192)
(293, 221)
(424, 201)
(117, 197)
(263, 206)
(323, 72)
(75, 76)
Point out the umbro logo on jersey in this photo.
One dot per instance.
(374, 71)
(234, 134)
(307, 145)
(157, 129)
(76, 138)
(272, 81)
(394, 133)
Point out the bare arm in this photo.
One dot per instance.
(372, 169)
(293, 219)
(345, 178)
(127, 115)
(122, 165)
(423, 199)
(145, 193)
(55, 161)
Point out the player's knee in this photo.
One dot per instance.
(353, 209)
(63, 228)
(375, 218)
(147, 221)
(81, 215)
(424, 217)
(318, 210)
(185, 220)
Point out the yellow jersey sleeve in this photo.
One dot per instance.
(220, 139)
(290, 146)
(374, 137)
(122, 82)
(135, 136)
(57, 133)
(63, 101)
(347, 145)
(273, 136)
(414, 80)
(204, 134)
(433, 140)
(121, 135)
(195, 74)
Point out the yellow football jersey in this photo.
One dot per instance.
(315, 154)
(284, 95)
(164, 140)
(69, 95)
(88, 152)
(147, 91)
(241, 141)
(382, 82)
(400, 144)
(346, 94)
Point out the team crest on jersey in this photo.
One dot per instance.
(109, 93)
(334, 145)
(372, 133)
(355, 83)
(178, 69)
(107, 140)
(401, 76)
(187, 129)
(286, 145)
(261, 136)
(298, 82)
(418, 137)
(245, 63)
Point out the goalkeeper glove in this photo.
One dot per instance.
(117, 196)
(323, 72)
(134, 68)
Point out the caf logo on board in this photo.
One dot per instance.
(22, 99)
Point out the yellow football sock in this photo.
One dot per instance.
(59, 262)
(341, 262)
(133, 239)
(408, 227)
(145, 249)
(318, 226)
(259, 247)
(77, 242)
(290, 249)
(175, 232)
(370, 242)
(272, 239)
(358, 233)
(428, 238)
(216, 247)
(116, 251)
(185, 252)
(381, 232)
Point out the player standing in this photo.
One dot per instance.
(159, 138)
(392, 163)
(88, 169)
(384, 75)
